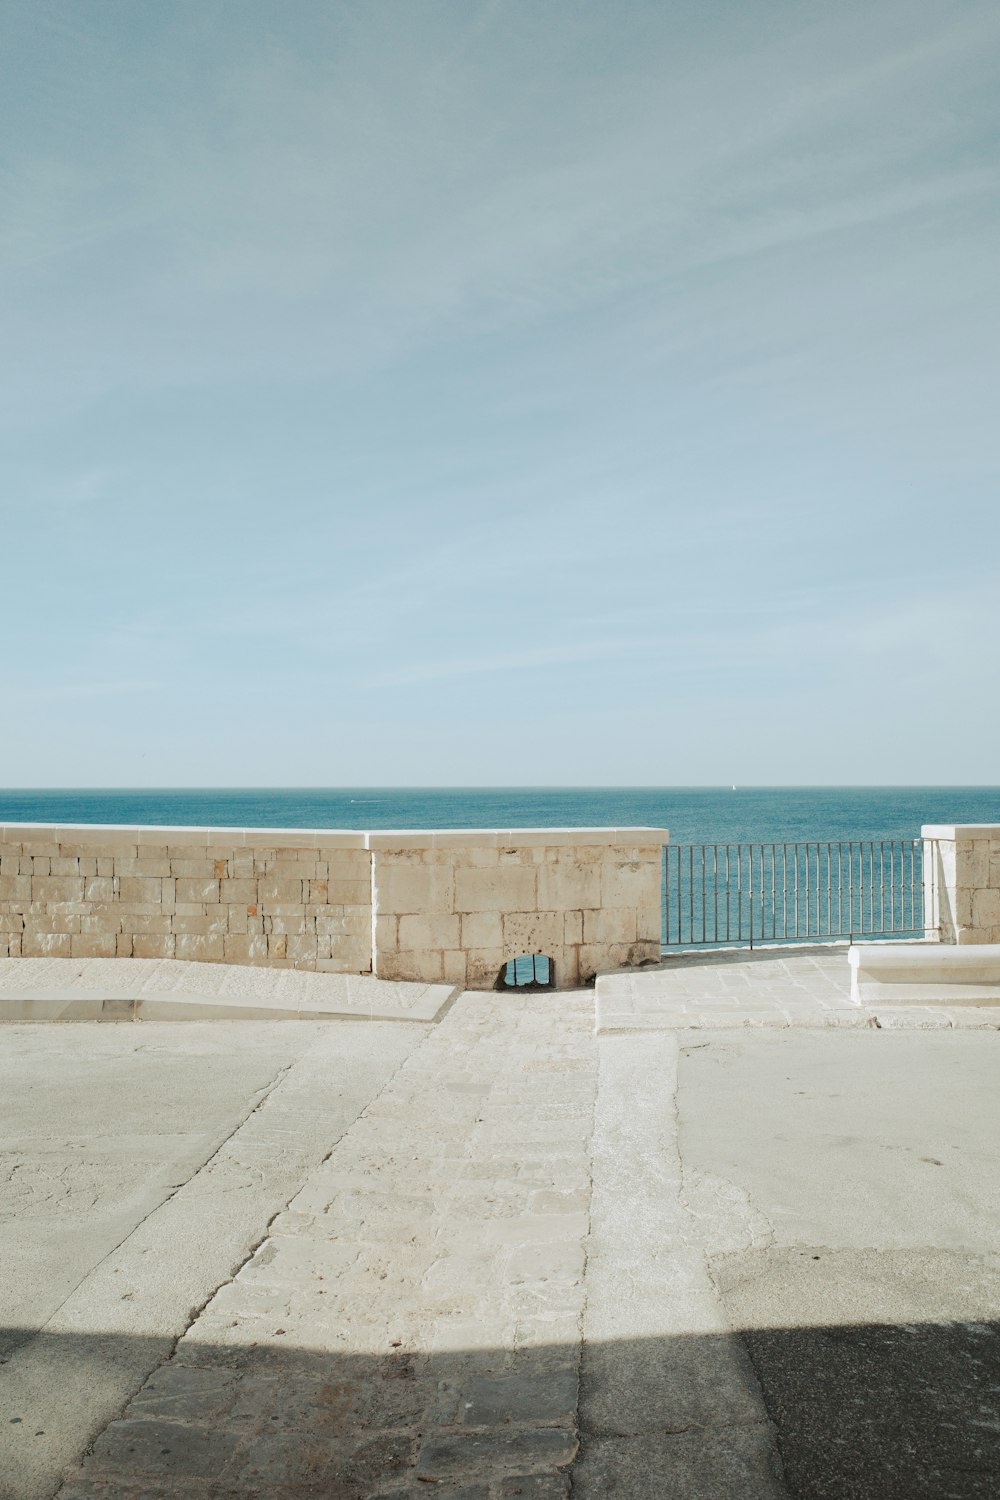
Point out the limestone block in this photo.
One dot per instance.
(573, 927)
(244, 948)
(439, 930)
(88, 868)
(53, 919)
(302, 950)
(15, 887)
(506, 889)
(56, 888)
(532, 932)
(569, 885)
(205, 947)
(105, 865)
(202, 891)
(39, 866)
(188, 869)
(482, 929)
(212, 923)
(123, 945)
(140, 889)
(272, 888)
(237, 892)
(277, 946)
(94, 945)
(567, 968)
(630, 882)
(425, 964)
(150, 945)
(609, 926)
(454, 967)
(41, 849)
(405, 886)
(972, 862)
(143, 866)
(483, 966)
(11, 921)
(986, 908)
(241, 866)
(133, 922)
(318, 893)
(47, 945)
(350, 892)
(64, 866)
(99, 888)
(292, 926)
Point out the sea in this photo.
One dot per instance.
(700, 815)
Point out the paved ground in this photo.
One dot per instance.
(770, 987)
(166, 989)
(498, 1256)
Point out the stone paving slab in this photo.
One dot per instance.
(138, 989)
(412, 1322)
(808, 987)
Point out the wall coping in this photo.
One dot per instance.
(961, 831)
(330, 838)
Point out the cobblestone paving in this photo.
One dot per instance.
(412, 1323)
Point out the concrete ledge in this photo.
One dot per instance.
(157, 835)
(925, 974)
(515, 838)
(961, 830)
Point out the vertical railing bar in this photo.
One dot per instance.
(715, 893)
(784, 890)
(739, 893)
(881, 885)
(774, 888)
(808, 892)
(892, 888)
(703, 934)
(729, 886)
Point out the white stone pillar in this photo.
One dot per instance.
(962, 882)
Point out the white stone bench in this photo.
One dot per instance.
(925, 973)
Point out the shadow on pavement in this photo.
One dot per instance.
(879, 1412)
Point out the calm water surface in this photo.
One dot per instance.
(692, 814)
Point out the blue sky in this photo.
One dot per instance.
(478, 393)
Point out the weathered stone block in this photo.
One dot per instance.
(47, 945)
(439, 930)
(140, 888)
(609, 926)
(532, 932)
(153, 945)
(189, 890)
(272, 888)
(482, 929)
(564, 885)
(245, 949)
(94, 945)
(56, 888)
(505, 889)
(207, 947)
(237, 892)
(402, 886)
(630, 882)
(986, 908)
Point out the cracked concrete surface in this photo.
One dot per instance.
(503, 1256)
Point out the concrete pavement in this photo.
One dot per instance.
(516, 1258)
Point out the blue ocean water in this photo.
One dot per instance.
(692, 814)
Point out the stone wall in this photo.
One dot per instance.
(458, 906)
(278, 897)
(454, 906)
(962, 882)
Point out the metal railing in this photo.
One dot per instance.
(814, 891)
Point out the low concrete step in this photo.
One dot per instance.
(925, 973)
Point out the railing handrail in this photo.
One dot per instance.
(794, 890)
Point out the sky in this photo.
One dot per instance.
(478, 392)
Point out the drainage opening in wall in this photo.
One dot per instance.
(529, 971)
